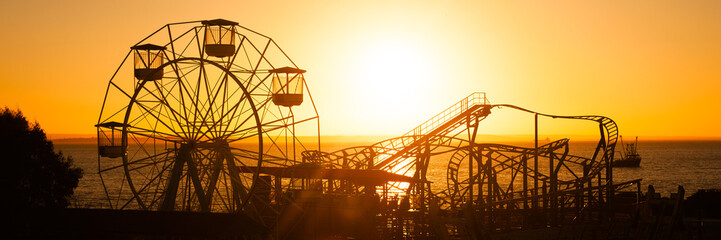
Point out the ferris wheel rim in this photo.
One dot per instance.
(138, 88)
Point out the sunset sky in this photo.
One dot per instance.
(383, 67)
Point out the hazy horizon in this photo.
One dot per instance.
(482, 137)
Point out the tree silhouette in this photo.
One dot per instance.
(32, 174)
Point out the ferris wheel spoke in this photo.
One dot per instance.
(133, 162)
(120, 89)
(157, 117)
(220, 107)
(144, 165)
(180, 132)
(139, 118)
(209, 116)
(271, 127)
(195, 100)
(237, 110)
(270, 159)
(170, 111)
(187, 95)
(182, 91)
(223, 109)
(221, 122)
(140, 170)
(155, 176)
(232, 112)
(152, 181)
(251, 131)
(141, 149)
(183, 117)
(192, 113)
(203, 109)
(151, 134)
(148, 121)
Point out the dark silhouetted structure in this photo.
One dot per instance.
(215, 132)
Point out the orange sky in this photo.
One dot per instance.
(379, 68)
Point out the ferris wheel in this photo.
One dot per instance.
(194, 113)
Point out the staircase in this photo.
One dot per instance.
(475, 105)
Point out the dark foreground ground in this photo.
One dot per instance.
(115, 224)
(699, 217)
(127, 224)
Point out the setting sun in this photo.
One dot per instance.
(398, 75)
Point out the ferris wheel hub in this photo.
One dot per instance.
(209, 145)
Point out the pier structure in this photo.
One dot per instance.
(207, 119)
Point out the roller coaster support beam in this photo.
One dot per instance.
(535, 163)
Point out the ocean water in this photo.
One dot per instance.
(666, 164)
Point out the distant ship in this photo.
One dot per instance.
(629, 156)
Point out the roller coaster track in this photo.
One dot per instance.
(396, 154)
(606, 145)
(510, 161)
(477, 106)
(473, 107)
(504, 180)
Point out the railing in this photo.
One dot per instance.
(403, 145)
(476, 98)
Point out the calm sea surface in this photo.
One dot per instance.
(666, 164)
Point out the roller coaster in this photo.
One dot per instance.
(489, 187)
(206, 122)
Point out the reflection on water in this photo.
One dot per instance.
(665, 164)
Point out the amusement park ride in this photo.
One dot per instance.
(204, 119)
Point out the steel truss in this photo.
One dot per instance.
(488, 187)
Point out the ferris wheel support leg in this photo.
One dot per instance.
(218, 166)
(193, 173)
(172, 190)
(239, 191)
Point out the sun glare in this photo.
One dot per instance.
(395, 74)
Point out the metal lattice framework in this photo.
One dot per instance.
(489, 179)
(189, 124)
(205, 119)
